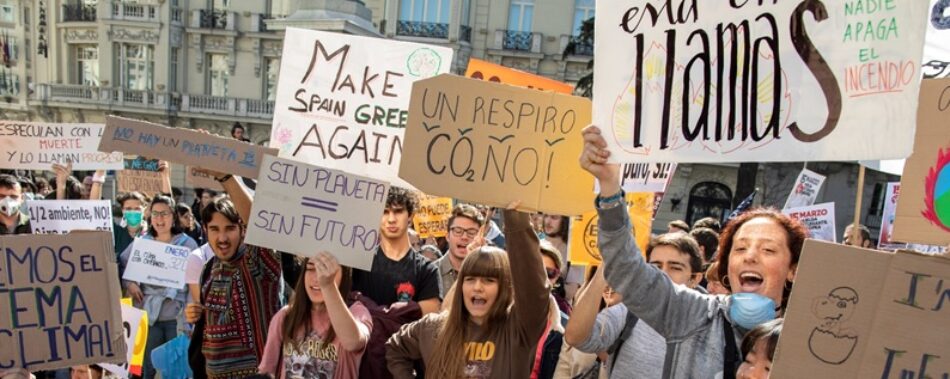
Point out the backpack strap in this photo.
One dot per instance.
(731, 358)
(614, 349)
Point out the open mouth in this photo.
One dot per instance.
(750, 281)
(479, 301)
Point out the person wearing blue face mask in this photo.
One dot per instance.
(132, 224)
(12, 220)
(758, 257)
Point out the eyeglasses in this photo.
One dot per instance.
(458, 231)
(161, 214)
(552, 272)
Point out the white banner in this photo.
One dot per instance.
(884, 241)
(819, 219)
(937, 49)
(38, 145)
(303, 209)
(754, 81)
(131, 317)
(64, 216)
(647, 177)
(805, 190)
(157, 263)
(343, 100)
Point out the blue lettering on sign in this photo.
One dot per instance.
(249, 158)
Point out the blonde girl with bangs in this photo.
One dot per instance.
(489, 330)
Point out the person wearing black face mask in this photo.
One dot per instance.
(12, 221)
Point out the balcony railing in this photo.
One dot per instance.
(422, 29)
(465, 33)
(111, 98)
(212, 19)
(178, 15)
(79, 13)
(134, 12)
(515, 40)
(583, 48)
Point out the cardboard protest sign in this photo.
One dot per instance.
(38, 145)
(60, 296)
(303, 209)
(490, 143)
(479, 69)
(805, 190)
(131, 323)
(884, 240)
(342, 100)
(924, 215)
(185, 146)
(857, 313)
(197, 178)
(747, 81)
(64, 216)
(432, 216)
(583, 241)
(156, 263)
(819, 219)
(140, 175)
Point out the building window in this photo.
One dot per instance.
(137, 63)
(87, 67)
(520, 15)
(173, 71)
(218, 75)
(221, 4)
(709, 199)
(9, 82)
(272, 66)
(434, 11)
(7, 14)
(583, 11)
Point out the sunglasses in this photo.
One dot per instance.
(552, 272)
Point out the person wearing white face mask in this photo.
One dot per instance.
(12, 221)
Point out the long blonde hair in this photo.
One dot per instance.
(448, 358)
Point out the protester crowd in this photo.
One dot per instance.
(702, 301)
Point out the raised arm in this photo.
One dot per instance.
(673, 311)
(528, 278)
(353, 335)
(166, 173)
(585, 311)
(95, 192)
(239, 196)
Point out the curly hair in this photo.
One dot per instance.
(796, 234)
(401, 197)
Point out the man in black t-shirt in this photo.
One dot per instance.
(399, 273)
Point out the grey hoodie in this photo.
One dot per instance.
(691, 322)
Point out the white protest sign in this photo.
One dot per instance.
(303, 209)
(343, 100)
(819, 219)
(38, 145)
(647, 177)
(131, 317)
(884, 240)
(156, 263)
(805, 190)
(64, 216)
(747, 81)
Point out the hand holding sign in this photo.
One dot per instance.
(327, 266)
(594, 160)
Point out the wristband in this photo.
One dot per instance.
(610, 201)
(224, 178)
(96, 178)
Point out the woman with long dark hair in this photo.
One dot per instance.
(489, 330)
(317, 335)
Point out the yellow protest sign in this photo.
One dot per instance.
(583, 242)
(141, 335)
(432, 217)
(479, 69)
(491, 143)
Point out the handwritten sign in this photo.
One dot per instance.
(60, 296)
(819, 219)
(185, 146)
(484, 142)
(647, 177)
(156, 263)
(582, 248)
(859, 313)
(342, 100)
(746, 81)
(140, 175)
(431, 218)
(132, 324)
(924, 215)
(805, 190)
(479, 69)
(38, 145)
(199, 179)
(64, 216)
(304, 209)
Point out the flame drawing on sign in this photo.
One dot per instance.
(937, 192)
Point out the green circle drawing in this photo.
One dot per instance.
(424, 63)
